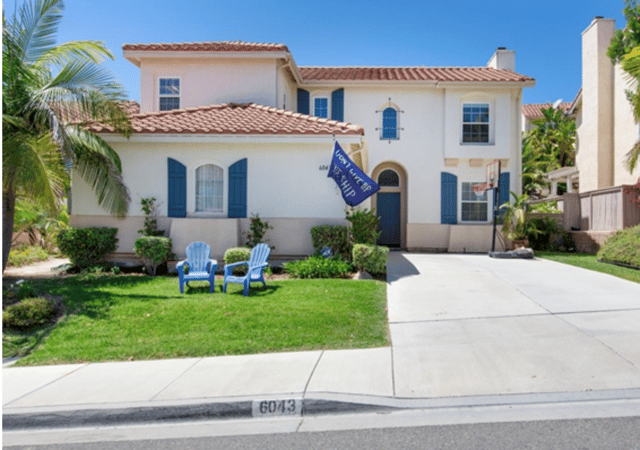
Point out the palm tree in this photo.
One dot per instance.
(44, 86)
(631, 65)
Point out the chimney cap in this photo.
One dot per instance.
(599, 17)
(502, 48)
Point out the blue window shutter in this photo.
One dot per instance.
(177, 189)
(337, 105)
(389, 123)
(504, 188)
(303, 101)
(449, 198)
(238, 189)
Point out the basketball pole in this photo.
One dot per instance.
(496, 194)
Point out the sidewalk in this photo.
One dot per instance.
(465, 330)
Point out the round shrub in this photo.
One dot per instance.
(237, 254)
(153, 250)
(371, 258)
(318, 267)
(87, 246)
(336, 237)
(29, 313)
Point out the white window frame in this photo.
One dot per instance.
(321, 97)
(488, 123)
(178, 96)
(489, 202)
(192, 189)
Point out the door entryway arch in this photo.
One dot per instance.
(390, 203)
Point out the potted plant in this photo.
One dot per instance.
(516, 226)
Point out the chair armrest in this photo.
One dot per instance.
(180, 266)
(228, 267)
(211, 264)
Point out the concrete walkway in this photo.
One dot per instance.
(465, 330)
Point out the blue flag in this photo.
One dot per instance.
(354, 184)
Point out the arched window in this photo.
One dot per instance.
(389, 123)
(388, 178)
(209, 189)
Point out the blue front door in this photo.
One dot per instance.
(388, 208)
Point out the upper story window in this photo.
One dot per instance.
(209, 189)
(389, 123)
(321, 107)
(169, 94)
(474, 207)
(475, 123)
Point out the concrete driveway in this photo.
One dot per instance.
(470, 325)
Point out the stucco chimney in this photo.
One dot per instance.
(596, 156)
(503, 59)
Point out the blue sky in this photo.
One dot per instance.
(546, 35)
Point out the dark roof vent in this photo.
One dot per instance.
(502, 48)
(599, 17)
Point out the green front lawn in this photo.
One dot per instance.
(119, 318)
(587, 261)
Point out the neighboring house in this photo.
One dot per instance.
(606, 132)
(533, 111)
(264, 144)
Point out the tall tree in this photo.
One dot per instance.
(549, 146)
(45, 86)
(625, 48)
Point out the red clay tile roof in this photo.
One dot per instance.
(534, 110)
(233, 118)
(444, 74)
(71, 113)
(224, 46)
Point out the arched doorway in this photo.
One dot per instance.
(390, 203)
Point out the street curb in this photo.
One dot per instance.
(170, 413)
(317, 404)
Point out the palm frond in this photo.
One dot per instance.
(98, 164)
(92, 51)
(631, 158)
(35, 28)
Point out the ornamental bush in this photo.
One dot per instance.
(29, 313)
(87, 247)
(153, 250)
(623, 247)
(336, 237)
(27, 254)
(318, 267)
(370, 258)
(364, 226)
(237, 254)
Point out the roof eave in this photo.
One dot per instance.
(136, 56)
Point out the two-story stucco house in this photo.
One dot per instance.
(228, 129)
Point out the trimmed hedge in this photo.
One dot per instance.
(153, 250)
(29, 313)
(623, 247)
(336, 237)
(371, 258)
(237, 254)
(86, 247)
(318, 267)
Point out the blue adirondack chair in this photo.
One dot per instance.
(256, 264)
(201, 267)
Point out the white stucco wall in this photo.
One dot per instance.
(286, 94)
(205, 82)
(283, 180)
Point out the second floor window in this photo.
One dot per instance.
(169, 94)
(475, 123)
(209, 189)
(389, 123)
(321, 107)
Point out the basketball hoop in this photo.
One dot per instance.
(480, 189)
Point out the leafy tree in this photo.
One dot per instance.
(43, 85)
(625, 49)
(626, 39)
(549, 146)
